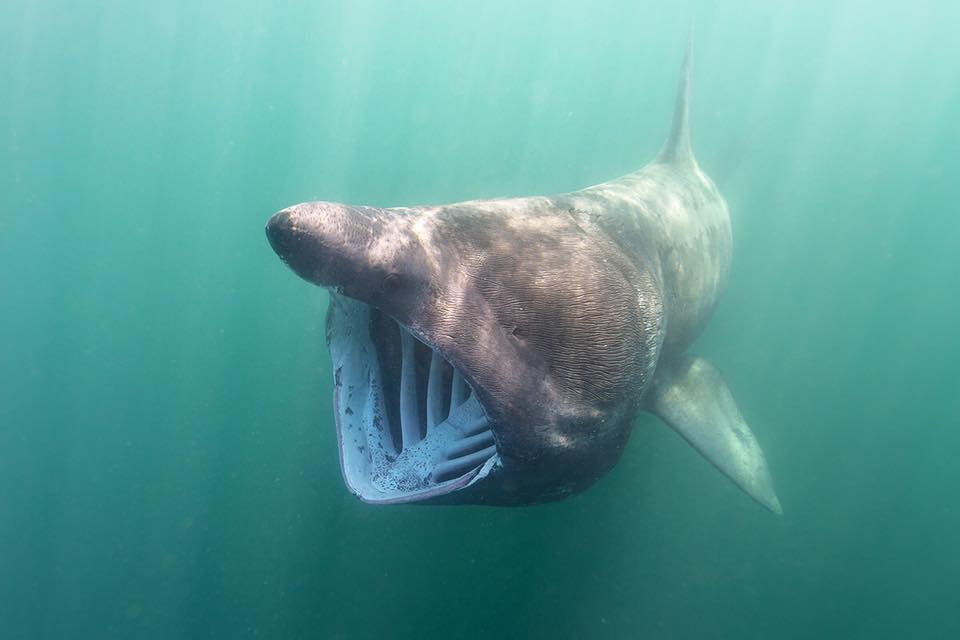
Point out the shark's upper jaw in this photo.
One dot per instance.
(409, 426)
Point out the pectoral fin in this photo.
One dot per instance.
(690, 395)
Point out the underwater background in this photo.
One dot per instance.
(168, 459)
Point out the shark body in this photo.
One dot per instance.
(498, 351)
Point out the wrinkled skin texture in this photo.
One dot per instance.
(554, 309)
(566, 315)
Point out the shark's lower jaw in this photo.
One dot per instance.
(409, 427)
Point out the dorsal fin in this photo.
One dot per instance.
(677, 149)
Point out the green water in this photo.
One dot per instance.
(168, 464)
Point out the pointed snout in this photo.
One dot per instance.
(321, 241)
(281, 233)
(296, 235)
(344, 246)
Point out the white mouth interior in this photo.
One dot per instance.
(409, 426)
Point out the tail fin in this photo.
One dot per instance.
(677, 149)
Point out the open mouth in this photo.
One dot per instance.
(409, 426)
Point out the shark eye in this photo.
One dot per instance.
(391, 283)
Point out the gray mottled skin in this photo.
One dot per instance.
(567, 315)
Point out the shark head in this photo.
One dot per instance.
(483, 352)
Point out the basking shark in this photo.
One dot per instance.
(498, 351)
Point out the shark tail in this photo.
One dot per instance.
(677, 148)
